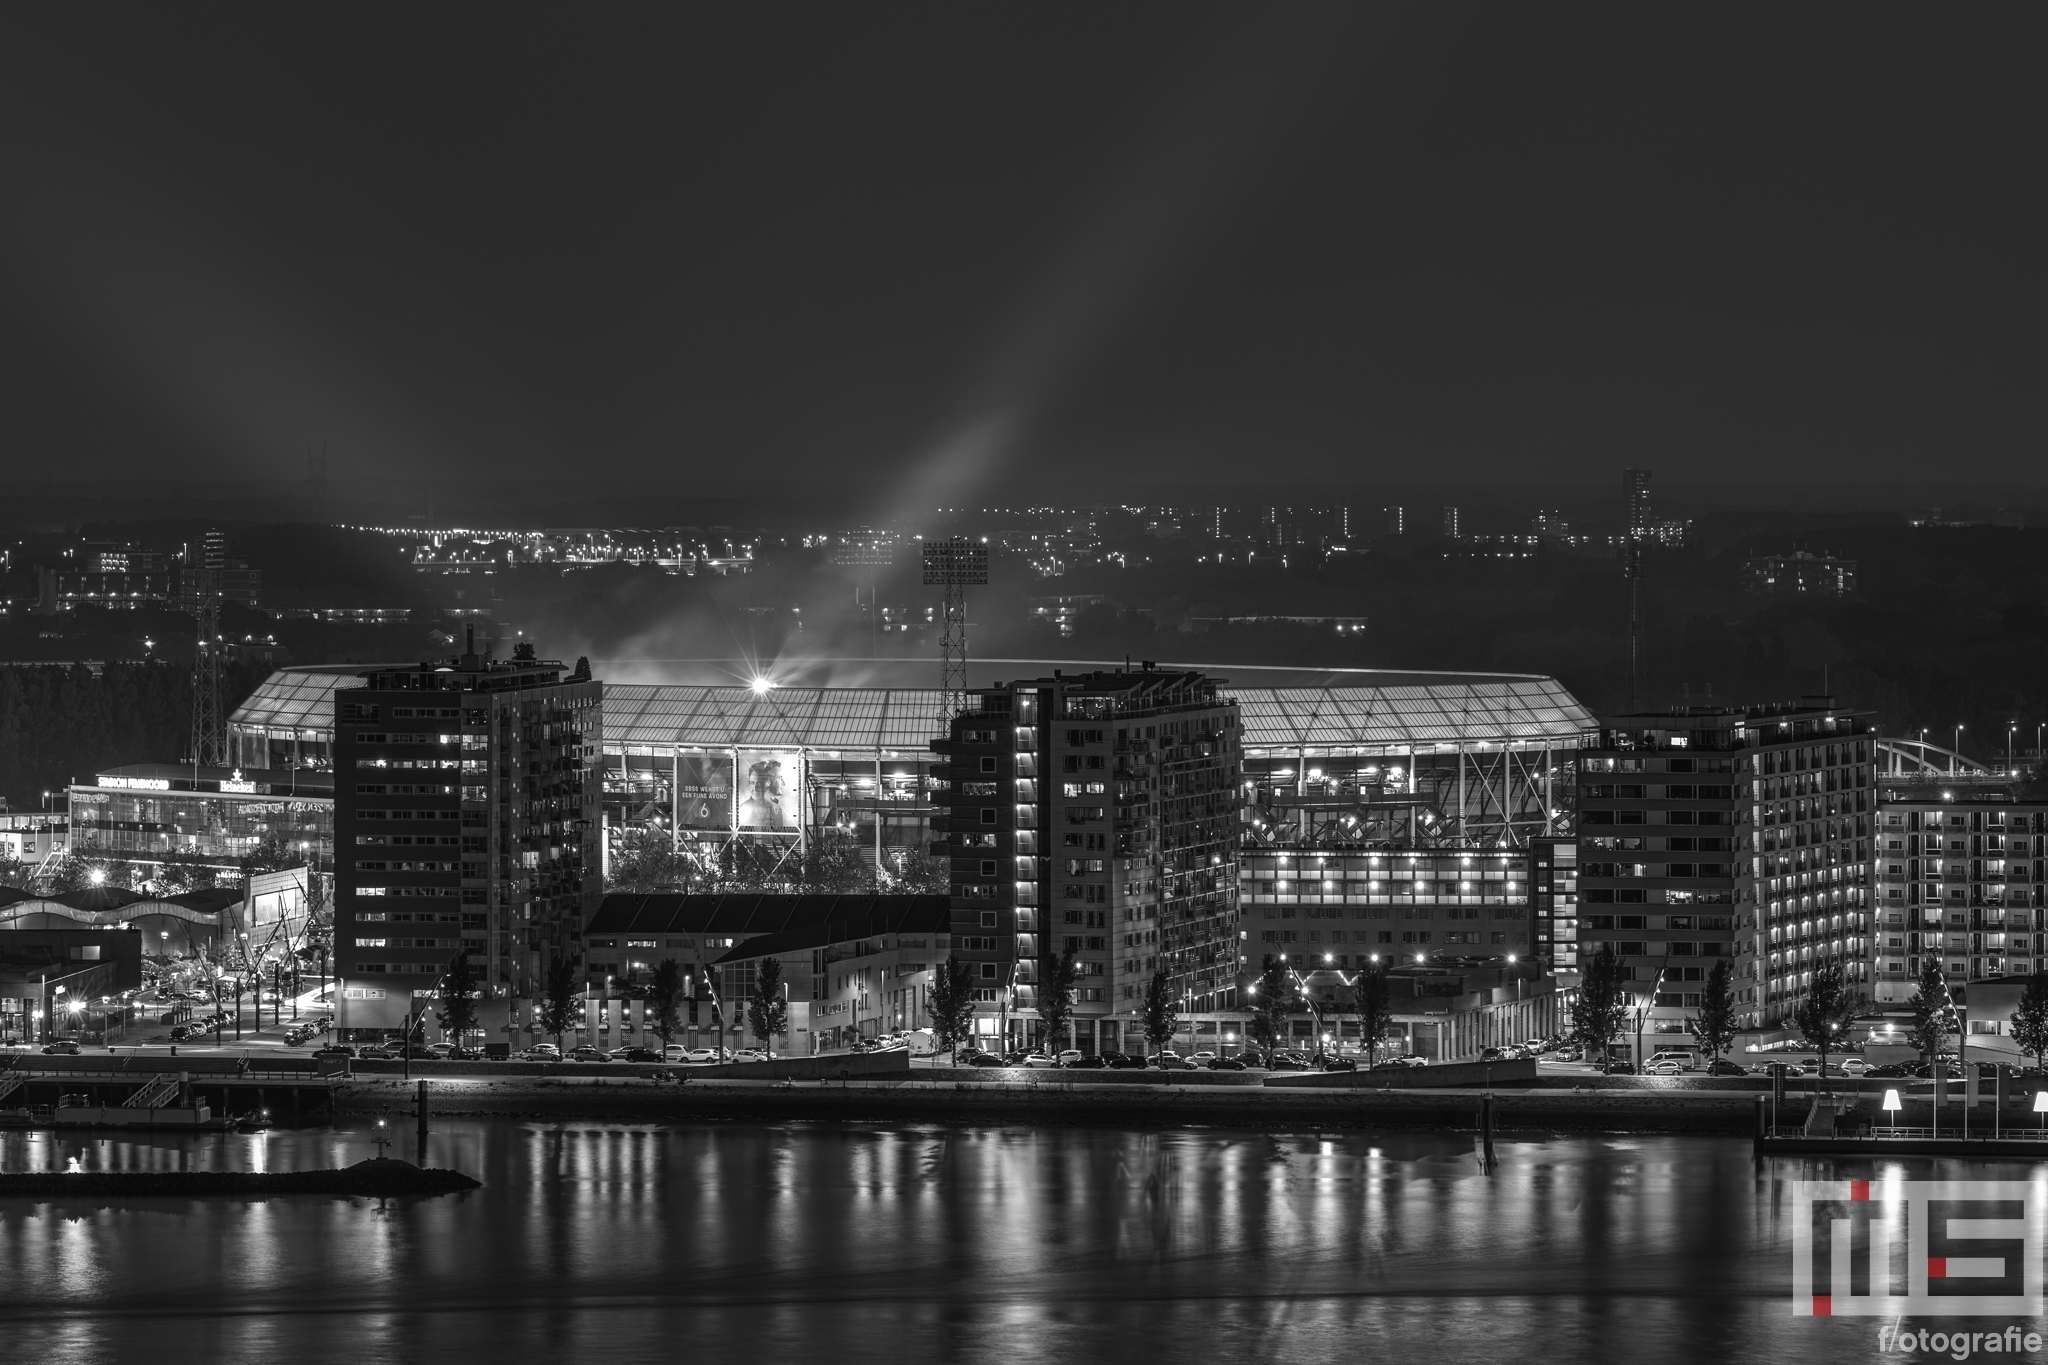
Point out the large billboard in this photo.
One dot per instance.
(771, 793)
(704, 791)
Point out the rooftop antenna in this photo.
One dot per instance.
(954, 565)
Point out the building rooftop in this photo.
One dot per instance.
(186, 777)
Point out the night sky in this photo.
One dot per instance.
(946, 251)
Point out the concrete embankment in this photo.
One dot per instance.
(1053, 1102)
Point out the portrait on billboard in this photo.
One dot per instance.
(768, 790)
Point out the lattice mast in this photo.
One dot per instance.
(954, 566)
(209, 731)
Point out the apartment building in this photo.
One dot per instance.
(1728, 832)
(465, 820)
(1095, 814)
(1959, 883)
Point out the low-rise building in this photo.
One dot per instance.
(142, 813)
(1799, 574)
(853, 966)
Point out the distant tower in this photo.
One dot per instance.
(209, 734)
(1635, 487)
(1397, 520)
(1216, 523)
(954, 565)
(1450, 523)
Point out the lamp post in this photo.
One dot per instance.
(2041, 1108)
(1954, 750)
(1892, 1107)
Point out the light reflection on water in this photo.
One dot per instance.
(822, 1243)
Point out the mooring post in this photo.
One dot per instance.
(1757, 1131)
(1486, 1129)
(423, 1123)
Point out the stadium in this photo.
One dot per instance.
(1452, 759)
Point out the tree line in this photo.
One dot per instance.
(63, 723)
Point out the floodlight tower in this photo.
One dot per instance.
(954, 565)
(209, 734)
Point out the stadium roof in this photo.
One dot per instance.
(1335, 709)
(298, 698)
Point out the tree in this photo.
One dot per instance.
(1372, 1000)
(1602, 1004)
(1273, 999)
(558, 1005)
(767, 1011)
(1934, 1012)
(1826, 1012)
(1161, 1010)
(951, 1005)
(1714, 1025)
(2030, 1020)
(664, 1001)
(458, 999)
(1056, 996)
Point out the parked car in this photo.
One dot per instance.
(1620, 1069)
(63, 1047)
(587, 1053)
(542, 1052)
(1284, 1061)
(1119, 1061)
(1225, 1064)
(1334, 1063)
(1069, 1056)
(1855, 1066)
(638, 1054)
(1686, 1060)
(1086, 1064)
(700, 1055)
(1039, 1059)
(1721, 1066)
(180, 1032)
(335, 1051)
(1172, 1061)
(1663, 1066)
(1890, 1071)
(755, 1054)
(986, 1059)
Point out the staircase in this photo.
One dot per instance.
(9, 1083)
(157, 1094)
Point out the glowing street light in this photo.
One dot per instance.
(2041, 1108)
(1892, 1107)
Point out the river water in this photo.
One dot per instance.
(816, 1243)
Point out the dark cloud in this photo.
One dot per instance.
(940, 252)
